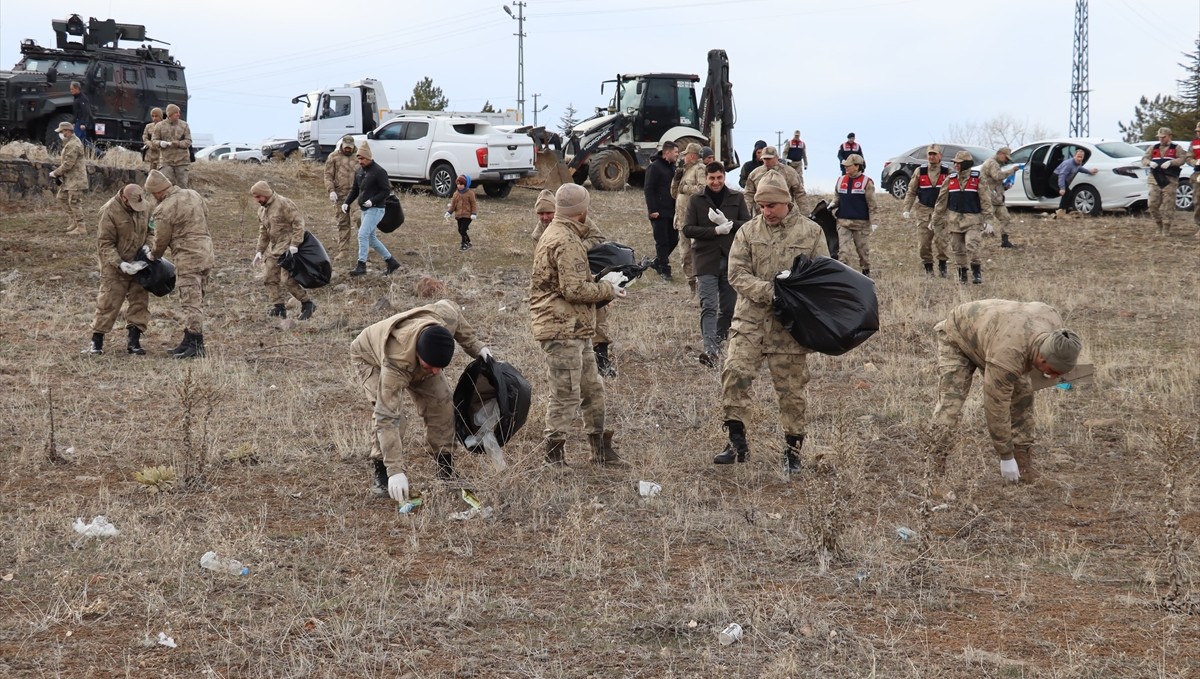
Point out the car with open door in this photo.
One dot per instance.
(1120, 183)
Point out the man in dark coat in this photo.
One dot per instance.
(660, 206)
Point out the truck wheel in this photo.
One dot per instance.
(498, 190)
(53, 143)
(441, 179)
(608, 170)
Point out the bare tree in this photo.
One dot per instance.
(1002, 130)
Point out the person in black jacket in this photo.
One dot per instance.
(712, 219)
(752, 164)
(81, 109)
(660, 206)
(371, 187)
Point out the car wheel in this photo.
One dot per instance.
(1086, 200)
(1184, 197)
(441, 180)
(501, 190)
(898, 186)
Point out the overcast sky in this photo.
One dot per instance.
(896, 72)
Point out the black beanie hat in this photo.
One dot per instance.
(435, 346)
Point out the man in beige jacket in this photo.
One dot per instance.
(181, 223)
(174, 140)
(340, 167)
(72, 172)
(124, 231)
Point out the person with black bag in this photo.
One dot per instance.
(181, 223)
(372, 188)
(124, 232)
(280, 231)
(764, 249)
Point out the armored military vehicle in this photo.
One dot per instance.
(122, 84)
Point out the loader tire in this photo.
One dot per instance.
(608, 170)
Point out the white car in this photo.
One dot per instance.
(1183, 194)
(1119, 184)
(245, 155)
(219, 151)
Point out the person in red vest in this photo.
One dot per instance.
(960, 195)
(847, 148)
(922, 195)
(854, 204)
(797, 154)
(1164, 161)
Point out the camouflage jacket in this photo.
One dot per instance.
(760, 251)
(339, 172)
(180, 222)
(152, 149)
(795, 186)
(591, 238)
(562, 293)
(391, 344)
(1001, 338)
(691, 183)
(122, 232)
(280, 225)
(180, 135)
(991, 184)
(72, 168)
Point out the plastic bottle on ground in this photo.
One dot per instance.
(221, 564)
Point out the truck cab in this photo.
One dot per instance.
(329, 114)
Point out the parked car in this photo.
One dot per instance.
(215, 151)
(244, 155)
(1183, 194)
(899, 170)
(1119, 184)
(280, 149)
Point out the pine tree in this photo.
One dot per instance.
(568, 119)
(426, 97)
(487, 107)
(1180, 113)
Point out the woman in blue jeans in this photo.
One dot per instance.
(371, 187)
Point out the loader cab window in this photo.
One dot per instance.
(686, 98)
(629, 95)
(334, 106)
(660, 110)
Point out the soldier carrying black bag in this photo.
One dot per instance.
(280, 232)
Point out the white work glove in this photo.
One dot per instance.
(333, 196)
(1008, 469)
(446, 217)
(618, 291)
(52, 175)
(133, 267)
(474, 217)
(716, 216)
(367, 204)
(257, 258)
(784, 274)
(988, 229)
(906, 214)
(874, 228)
(614, 278)
(485, 353)
(164, 144)
(293, 250)
(398, 487)
(345, 207)
(930, 227)
(723, 229)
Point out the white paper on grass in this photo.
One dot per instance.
(97, 527)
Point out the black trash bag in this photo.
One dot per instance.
(485, 380)
(828, 223)
(310, 266)
(826, 306)
(158, 278)
(607, 257)
(393, 214)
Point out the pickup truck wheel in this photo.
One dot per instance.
(498, 190)
(441, 180)
(608, 170)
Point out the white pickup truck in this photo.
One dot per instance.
(434, 150)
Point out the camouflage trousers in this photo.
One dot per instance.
(190, 287)
(277, 279)
(574, 384)
(1001, 220)
(789, 374)
(1162, 203)
(955, 374)
(928, 239)
(72, 202)
(347, 228)
(432, 399)
(966, 235)
(685, 254)
(858, 232)
(115, 289)
(601, 335)
(178, 174)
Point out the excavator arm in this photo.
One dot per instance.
(717, 113)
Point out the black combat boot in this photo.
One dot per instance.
(866, 272)
(736, 450)
(791, 453)
(942, 269)
(183, 343)
(195, 346)
(603, 365)
(1005, 242)
(392, 265)
(359, 270)
(962, 274)
(134, 345)
(306, 309)
(278, 310)
(445, 467)
(977, 274)
(379, 481)
(555, 449)
(929, 269)
(97, 345)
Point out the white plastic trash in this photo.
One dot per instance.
(486, 419)
(221, 564)
(730, 634)
(97, 527)
(164, 640)
(648, 488)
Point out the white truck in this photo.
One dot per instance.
(433, 149)
(354, 108)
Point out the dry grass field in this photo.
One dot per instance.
(1088, 573)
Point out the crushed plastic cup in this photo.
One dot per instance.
(410, 506)
(905, 534)
(730, 634)
(96, 528)
(1065, 386)
(648, 488)
(164, 640)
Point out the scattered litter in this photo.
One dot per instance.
(469, 498)
(905, 533)
(692, 624)
(164, 640)
(861, 577)
(411, 505)
(773, 516)
(730, 634)
(471, 513)
(69, 451)
(1065, 386)
(7, 577)
(486, 419)
(222, 564)
(870, 367)
(648, 488)
(272, 387)
(96, 528)
(940, 507)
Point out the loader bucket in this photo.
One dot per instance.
(552, 172)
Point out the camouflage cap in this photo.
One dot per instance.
(1061, 350)
(773, 189)
(64, 126)
(1005, 150)
(769, 152)
(262, 188)
(135, 198)
(1164, 132)
(347, 141)
(544, 202)
(157, 181)
(692, 147)
(934, 148)
(964, 157)
(853, 159)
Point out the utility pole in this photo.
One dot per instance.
(1080, 123)
(779, 141)
(520, 18)
(536, 109)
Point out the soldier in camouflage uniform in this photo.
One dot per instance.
(180, 221)
(991, 191)
(1164, 162)
(922, 195)
(688, 181)
(174, 139)
(72, 171)
(960, 196)
(770, 163)
(764, 248)
(1007, 341)
(562, 299)
(280, 230)
(150, 148)
(407, 352)
(124, 232)
(340, 168)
